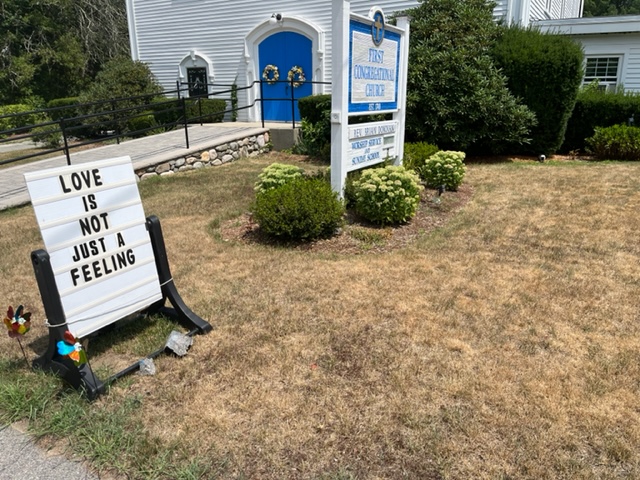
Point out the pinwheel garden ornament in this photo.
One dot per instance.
(72, 348)
(18, 323)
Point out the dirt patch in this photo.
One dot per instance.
(358, 236)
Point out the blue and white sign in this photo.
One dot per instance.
(369, 76)
(374, 65)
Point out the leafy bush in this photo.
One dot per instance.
(315, 127)
(387, 195)
(445, 168)
(63, 108)
(303, 208)
(142, 125)
(598, 108)
(18, 116)
(276, 175)
(544, 71)
(416, 154)
(206, 110)
(313, 108)
(457, 97)
(619, 142)
(315, 139)
(47, 135)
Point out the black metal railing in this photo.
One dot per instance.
(71, 127)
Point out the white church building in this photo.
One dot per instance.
(223, 42)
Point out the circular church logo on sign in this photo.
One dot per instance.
(377, 29)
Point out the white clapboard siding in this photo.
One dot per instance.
(164, 32)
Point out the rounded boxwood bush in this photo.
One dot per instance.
(416, 154)
(276, 175)
(303, 208)
(387, 195)
(445, 168)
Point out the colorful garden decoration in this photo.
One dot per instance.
(18, 323)
(72, 348)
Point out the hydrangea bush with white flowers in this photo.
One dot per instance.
(444, 168)
(387, 195)
(275, 175)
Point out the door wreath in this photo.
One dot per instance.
(270, 74)
(296, 76)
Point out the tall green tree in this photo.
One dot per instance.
(51, 48)
(608, 8)
(457, 98)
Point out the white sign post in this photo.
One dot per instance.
(369, 77)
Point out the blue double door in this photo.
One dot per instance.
(285, 50)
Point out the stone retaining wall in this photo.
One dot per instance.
(214, 156)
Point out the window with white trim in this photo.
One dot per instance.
(604, 70)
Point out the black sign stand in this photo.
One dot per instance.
(82, 377)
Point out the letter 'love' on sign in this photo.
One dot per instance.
(94, 230)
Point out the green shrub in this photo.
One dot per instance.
(313, 108)
(63, 108)
(276, 175)
(456, 96)
(303, 208)
(47, 135)
(596, 107)
(167, 111)
(206, 110)
(20, 115)
(139, 125)
(544, 71)
(618, 142)
(444, 168)
(387, 195)
(315, 139)
(416, 154)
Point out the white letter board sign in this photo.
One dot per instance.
(94, 229)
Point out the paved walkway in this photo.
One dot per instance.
(144, 152)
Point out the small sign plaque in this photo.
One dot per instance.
(371, 143)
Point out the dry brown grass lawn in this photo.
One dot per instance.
(503, 344)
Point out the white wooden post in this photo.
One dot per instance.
(403, 23)
(339, 93)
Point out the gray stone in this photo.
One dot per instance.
(267, 137)
(198, 165)
(253, 139)
(261, 141)
(191, 160)
(185, 168)
(147, 367)
(217, 162)
(172, 162)
(235, 155)
(170, 172)
(234, 145)
(244, 151)
(179, 343)
(222, 148)
(245, 142)
(163, 167)
(148, 175)
(180, 162)
(213, 154)
(227, 158)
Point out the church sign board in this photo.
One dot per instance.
(369, 77)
